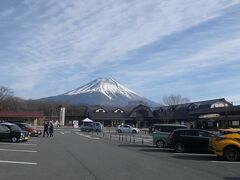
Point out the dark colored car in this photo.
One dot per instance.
(193, 140)
(162, 131)
(11, 132)
(27, 127)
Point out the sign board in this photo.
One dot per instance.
(208, 116)
(75, 124)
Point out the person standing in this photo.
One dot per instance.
(45, 128)
(51, 128)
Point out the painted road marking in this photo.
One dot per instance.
(18, 150)
(87, 136)
(18, 144)
(76, 130)
(226, 162)
(67, 132)
(17, 162)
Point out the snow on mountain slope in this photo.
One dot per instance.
(102, 91)
(106, 86)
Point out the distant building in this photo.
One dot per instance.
(209, 114)
(35, 118)
(110, 116)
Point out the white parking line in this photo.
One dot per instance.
(87, 136)
(18, 144)
(67, 132)
(17, 150)
(17, 162)
(226, 162)
(62, 132)
(76, 130)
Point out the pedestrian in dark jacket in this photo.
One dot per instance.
(45, 129)
(51, 129)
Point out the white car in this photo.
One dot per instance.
(127, 129)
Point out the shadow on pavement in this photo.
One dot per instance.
(231, 178)
(196, 157)
(157, 150)
(136, 145)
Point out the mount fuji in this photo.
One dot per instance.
(102, 91)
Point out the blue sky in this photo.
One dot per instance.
(154, 47)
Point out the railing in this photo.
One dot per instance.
(141, 139)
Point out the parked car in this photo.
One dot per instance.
(161, 133)
(194, 140)
(26, 135)
(92, 126)
(11, 132)
(124, 128)
(27, 127)
(226, 144)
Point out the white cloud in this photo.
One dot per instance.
(93, 34)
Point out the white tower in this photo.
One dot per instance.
(62, 116)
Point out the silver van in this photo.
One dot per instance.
(91, 126)
(162, 131)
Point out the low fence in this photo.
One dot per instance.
(124, 137)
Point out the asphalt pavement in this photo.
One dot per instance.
(72, 155)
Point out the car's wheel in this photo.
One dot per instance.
(231, 154)
(14, 139)
(160, 144)
(119, 131)
(134, 131)
(179, 148)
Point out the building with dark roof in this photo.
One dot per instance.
(201, 114)
(215, 113)
(35, 118)
(109, 116)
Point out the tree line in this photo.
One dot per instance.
(9, 102)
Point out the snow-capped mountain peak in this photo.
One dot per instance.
(102, 91)
(106, 86)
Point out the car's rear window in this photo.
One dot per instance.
(15, 128)
(168, 128)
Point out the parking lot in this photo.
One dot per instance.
(71, 154)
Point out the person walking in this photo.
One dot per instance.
(51, 128)
(45, 129)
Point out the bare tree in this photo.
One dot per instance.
(5, 92)
(174, 99)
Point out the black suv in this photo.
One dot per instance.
(183, 140)
(12, 132)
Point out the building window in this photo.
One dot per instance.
(193, 106)
(118, 111)
(218, 104)
(100, 110)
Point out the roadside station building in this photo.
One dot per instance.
(209, 114)
(35, 118)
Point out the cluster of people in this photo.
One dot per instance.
(48, 128)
